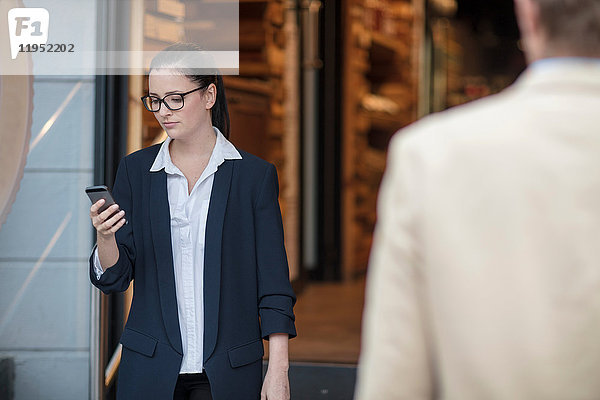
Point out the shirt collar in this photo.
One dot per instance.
(558, 62)
(563, 71)
(223, 150)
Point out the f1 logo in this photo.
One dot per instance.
(27, 26)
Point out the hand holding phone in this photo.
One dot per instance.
(106, 217)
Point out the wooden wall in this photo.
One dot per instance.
(380, 96)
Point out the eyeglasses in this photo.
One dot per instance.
(173, 101)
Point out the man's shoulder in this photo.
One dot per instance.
(476, 121)
(467, 136)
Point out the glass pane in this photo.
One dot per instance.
(46, 236)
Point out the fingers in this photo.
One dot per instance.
(96, 206)
(118, 225)
(108, 212)
(98, 219)
(108, 221)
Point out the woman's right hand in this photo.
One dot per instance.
(105, 226)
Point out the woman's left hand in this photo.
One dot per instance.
(276, 385)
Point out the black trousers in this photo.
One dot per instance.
(192, 387)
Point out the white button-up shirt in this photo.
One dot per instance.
(188, 227)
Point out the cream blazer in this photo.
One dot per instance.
(484, 277)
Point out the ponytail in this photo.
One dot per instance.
(220, 112)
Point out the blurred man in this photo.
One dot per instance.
(484, 279)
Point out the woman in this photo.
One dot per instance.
(204, 245)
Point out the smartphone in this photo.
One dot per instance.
(98, 192)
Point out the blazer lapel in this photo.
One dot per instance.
(160, 221)
(212, 254)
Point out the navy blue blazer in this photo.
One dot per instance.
(247, 292)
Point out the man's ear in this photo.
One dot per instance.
(211, 96)
(528, 18)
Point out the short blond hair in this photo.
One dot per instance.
(571, 26)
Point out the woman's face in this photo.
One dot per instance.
(195, 114)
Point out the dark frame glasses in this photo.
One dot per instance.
(174, 98)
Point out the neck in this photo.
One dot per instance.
(199, 145)
(564, 51)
